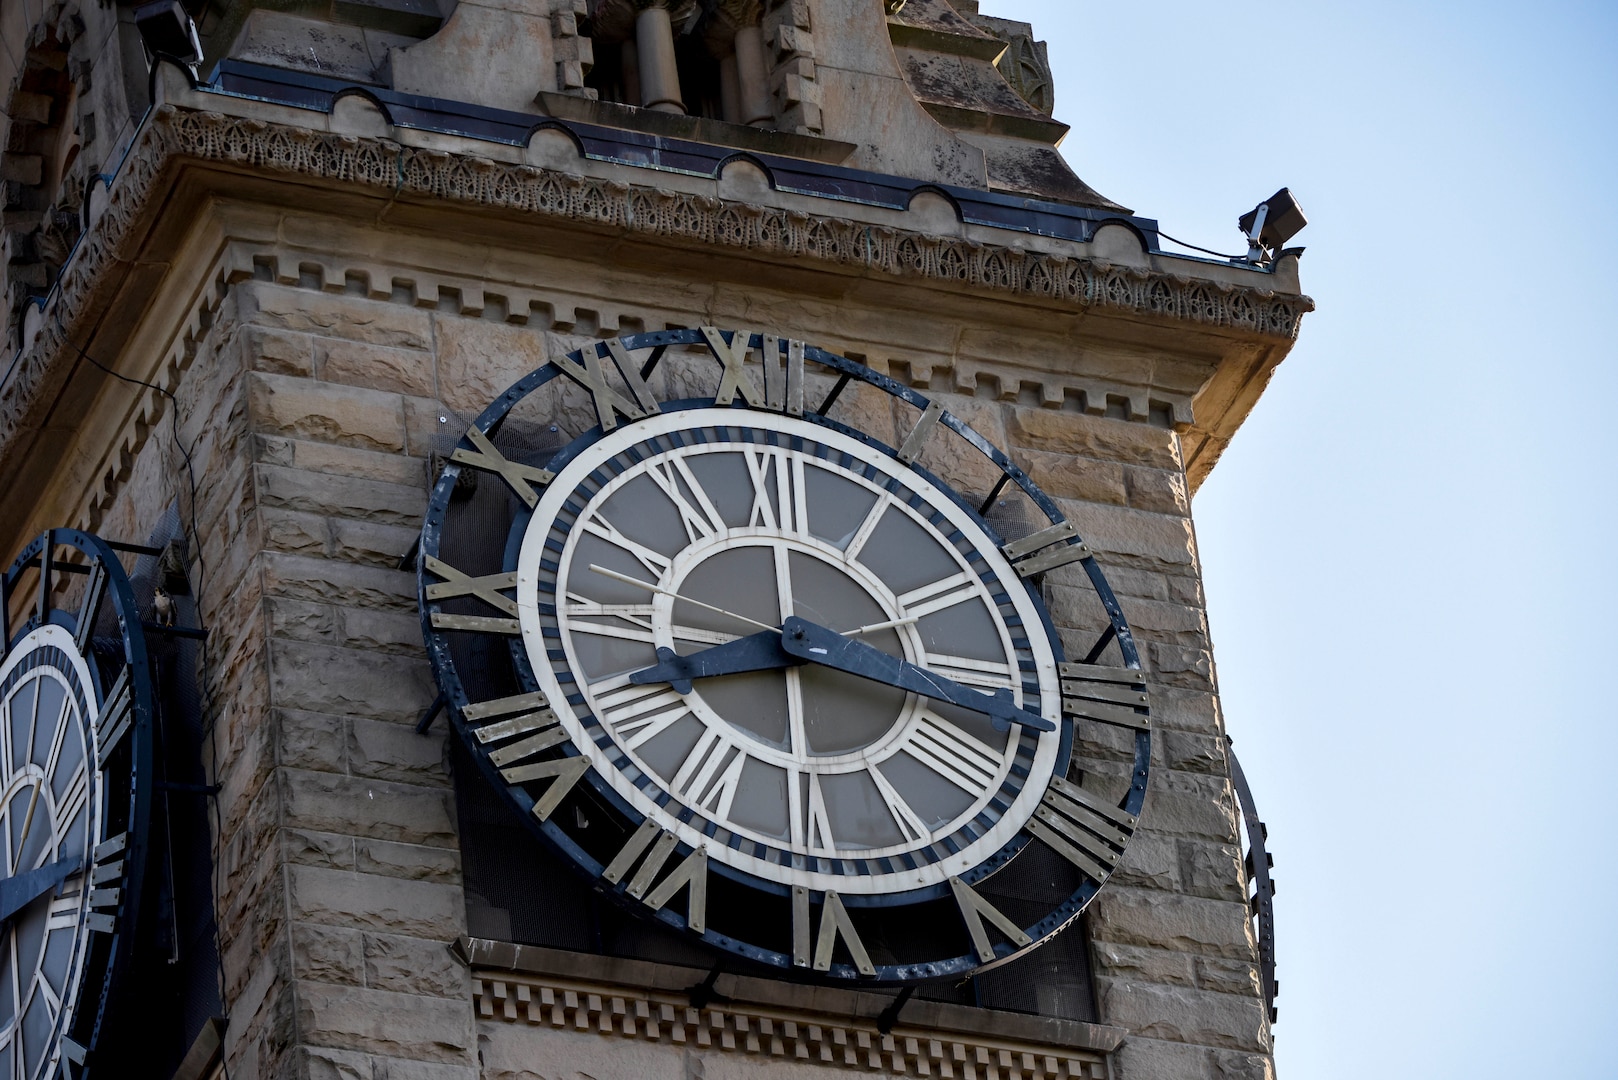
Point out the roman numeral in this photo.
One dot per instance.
(700, 520)
(834, 923)
(579, 610)
(789, 509)
(530, 715)
(106, 866)
(909, 823)
(475, 624)
(917, 439)
(940, 594)
(485, 588)
(1046, 549)
(974, 909)
(1082, 828)
(868, 526)
(117, 713)
(708, 778)
(783, 388)
(950, 752)
(990, 674)
(690, 874)
(637, 714)
(94, 589)
(609, 403)
(1108, 695)
(522, 479)
(64, 910)
(813, 827)
(732, 355)
(655, 562)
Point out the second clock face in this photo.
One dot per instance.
(802, 771)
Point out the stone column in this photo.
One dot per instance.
(659, 73)
(729, 91)
(752, 77)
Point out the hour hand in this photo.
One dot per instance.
(756, 652)
(818, 645)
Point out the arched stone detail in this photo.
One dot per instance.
(43, 174)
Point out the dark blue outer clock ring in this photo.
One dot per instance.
(553, 833)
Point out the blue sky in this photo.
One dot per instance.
(1412, 578)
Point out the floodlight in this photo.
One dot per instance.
(1270, 224)
(167, 30)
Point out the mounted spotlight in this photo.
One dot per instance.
(1270, 224)
(167, 30)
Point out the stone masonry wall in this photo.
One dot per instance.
(313, 406)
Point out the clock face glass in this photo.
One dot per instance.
(49, 791)
(808, 771)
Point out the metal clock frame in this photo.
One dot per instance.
(124, 713)
(598, 358)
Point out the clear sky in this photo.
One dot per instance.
(1409, 548)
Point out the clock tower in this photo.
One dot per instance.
(682, 510)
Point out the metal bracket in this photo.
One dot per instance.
(703, 993)
(1262, 902)
(890, 1016)
(431, 714)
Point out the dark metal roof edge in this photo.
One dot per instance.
(243, 79)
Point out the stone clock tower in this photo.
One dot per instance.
(660, 529)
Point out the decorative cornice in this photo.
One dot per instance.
(652, 1009)
(173, 133)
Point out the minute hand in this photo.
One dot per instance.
(819, 645)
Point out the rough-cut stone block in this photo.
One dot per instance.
(1152, 1059)
(1192, 753)
(404, 371)
(300, 620)
(1158, 541)
(1144, 964)
(401, 1025)
(338, 582)
(343, 496)
(310, 741)
(368, 419)
(1096, 437)
(1211, 869)
(330, 851)
(1151, 861)
(328, 954)
(390, 751)
(383, 631)
(1074, 478)
(320, 678)
(1180, 1014)
(376, 321)
(295, 532)
(322, 1063)
(1191, 804)
(342, 460)
(1191, 924)
(374, 543)
(432, 429)
(1186, 710)
(277, 352)
(1227, 976)
(388, 905)
(410, 965)
(479, 359)
(367, 807)
(1159, 490)
(414, 861)
(1179, 665)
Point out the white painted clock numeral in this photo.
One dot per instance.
(654, 561)
(950, 752)
(708, 778)
(990, 674)
(788, 510)
(581, 614)
(700, 520)
(938, 595)
(873, 517)
(910, 825)
(637, 714)
(813, 827)
(1082, 828)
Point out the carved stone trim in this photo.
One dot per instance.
(736, 1027)
(33, 375)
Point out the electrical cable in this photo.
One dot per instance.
(1205, 251)
(209, 726)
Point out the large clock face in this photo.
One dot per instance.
(75, 795)
(50, 795)
(770, 680)
(854, 784)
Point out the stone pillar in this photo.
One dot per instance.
(753, 78)
(729, 92)
(659, 73)
(629, 66)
